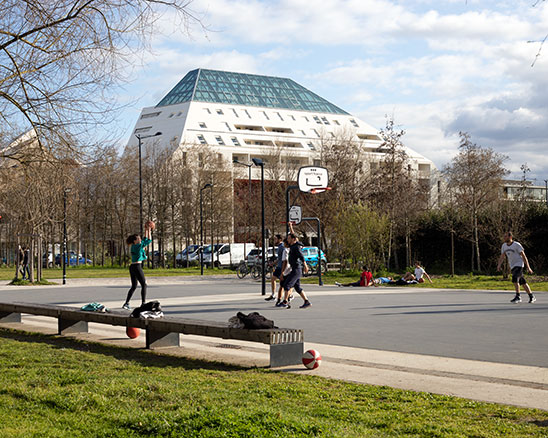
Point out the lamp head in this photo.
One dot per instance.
(207, 186)
(257, 162)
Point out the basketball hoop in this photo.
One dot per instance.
(319, 190)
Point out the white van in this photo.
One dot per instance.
(228, 254)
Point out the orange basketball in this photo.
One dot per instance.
(132, 332)
(150, 224)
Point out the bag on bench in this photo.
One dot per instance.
(151, 306)
(255, 321)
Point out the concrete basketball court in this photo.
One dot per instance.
(473, 344)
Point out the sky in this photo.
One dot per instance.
(435, 67)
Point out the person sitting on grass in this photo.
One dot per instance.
(381, 280)
(420, 272)
(366, 279)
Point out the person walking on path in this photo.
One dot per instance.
(26, 270)
(278, 271)
(298, 264)
(366, 279)
(138, 255)
(420, 272)
(517, 261)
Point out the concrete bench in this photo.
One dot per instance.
(286, 345)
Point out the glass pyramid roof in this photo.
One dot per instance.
(245, 89)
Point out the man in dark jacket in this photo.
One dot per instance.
(293, 279)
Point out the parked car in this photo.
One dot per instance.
(311, 257)
(73, 259)
(226, 254)
(47, 260)
(254, 256)
(191, 252)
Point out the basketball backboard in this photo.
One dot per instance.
(296, 214)
(312, 178)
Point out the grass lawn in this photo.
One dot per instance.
(59, 387)
(488, 282)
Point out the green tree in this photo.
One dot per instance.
(475, 176)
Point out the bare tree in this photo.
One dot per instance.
(475, 177)
(60, 61)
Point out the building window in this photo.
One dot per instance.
(292, 117)
(179, 114)
(220, 140)
(171, 115)
(247, 112)
(207, 110)
(317, 163)
(306, 118)
(324, 119)
(141, 130)
(150, 115)
(280, 116)
(336, 122)
(332, 134)
(312, 147)
(202, 139)
(317, 120)
(316, 132)
(354, 123)
(203, 125)
(235, 112)
(266, 115)
(235, 141)
(304, 133)
(228, 126)
(220, 112)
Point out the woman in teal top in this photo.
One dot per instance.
(138, 255)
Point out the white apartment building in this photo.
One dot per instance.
(244, 116)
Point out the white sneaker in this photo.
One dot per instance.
(516, 299)
(338, 284)
(126, 306)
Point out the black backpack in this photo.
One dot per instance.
(255, 321)
(151, 306)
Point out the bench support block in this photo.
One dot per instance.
(68, 326)
(10, 317)
(286, 354)
(161, 339)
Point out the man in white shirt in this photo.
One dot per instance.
(420, 272)
(517, 261)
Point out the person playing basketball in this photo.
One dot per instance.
(517, 261)
(138, 255)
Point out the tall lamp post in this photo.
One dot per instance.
(207, 186)
(65, 191)
(259, 162)
(249, 166)
(141, 138)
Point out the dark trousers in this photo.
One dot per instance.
(293, 280)
(137, 276)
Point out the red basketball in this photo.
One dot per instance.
(132, 332)
(312, 359)
(150, 224)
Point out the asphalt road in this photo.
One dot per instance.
(479, 325)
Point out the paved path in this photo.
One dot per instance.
(469, 343)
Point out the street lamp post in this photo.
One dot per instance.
(249, 166)
(202, 230)
(259, 162)
(65, 191)
(141, 138)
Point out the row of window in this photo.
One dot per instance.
(274, 129)
(256, 142)
(278, 115)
